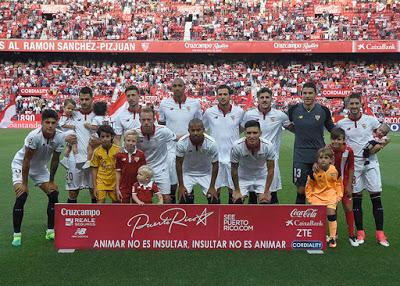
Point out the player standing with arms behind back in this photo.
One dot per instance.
(175, 113)
(309, 119)
(223, 123)
(271, 122)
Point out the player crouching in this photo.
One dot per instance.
(40, 145)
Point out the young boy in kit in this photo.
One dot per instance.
(103, 166)
(127, 164)
(344, 164)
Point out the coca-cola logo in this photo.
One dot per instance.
(308, 213)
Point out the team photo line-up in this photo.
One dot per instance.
(143, 153)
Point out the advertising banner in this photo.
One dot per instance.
(93, 226)
(375, 47)
(331, 9)
(336, 92)
(31, 91)
(106, 46)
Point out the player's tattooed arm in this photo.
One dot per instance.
(55, 159)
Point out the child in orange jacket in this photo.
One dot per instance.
(325, 187)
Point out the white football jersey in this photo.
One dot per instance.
(252, 165)
(197, 161)
(359, 132)
(98, 120)
(82, 133)
(126, 120)
(271, 124)
(43, 147)
(224, 128)
(177, 116)
(155, 148)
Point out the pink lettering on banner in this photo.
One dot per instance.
(189, 227)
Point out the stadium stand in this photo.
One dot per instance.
(233, 20)
(380, 81)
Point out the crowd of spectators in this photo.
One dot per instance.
(379, 81)
(232, 20)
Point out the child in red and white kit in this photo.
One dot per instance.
(144, 189)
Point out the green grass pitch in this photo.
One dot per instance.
(37, 262)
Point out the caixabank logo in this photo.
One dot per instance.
(307, 244)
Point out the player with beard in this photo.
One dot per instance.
(197, 163)
(359, 129)
(77, 177)
(153, 140)
(308, 122)
(223, 123)
(128, 118)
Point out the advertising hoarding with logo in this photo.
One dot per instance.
(288, 227)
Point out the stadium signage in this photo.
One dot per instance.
(188, 226)
(188, 47)
(331, 9)
(33, 91)
(336, 92)
(375, 46)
